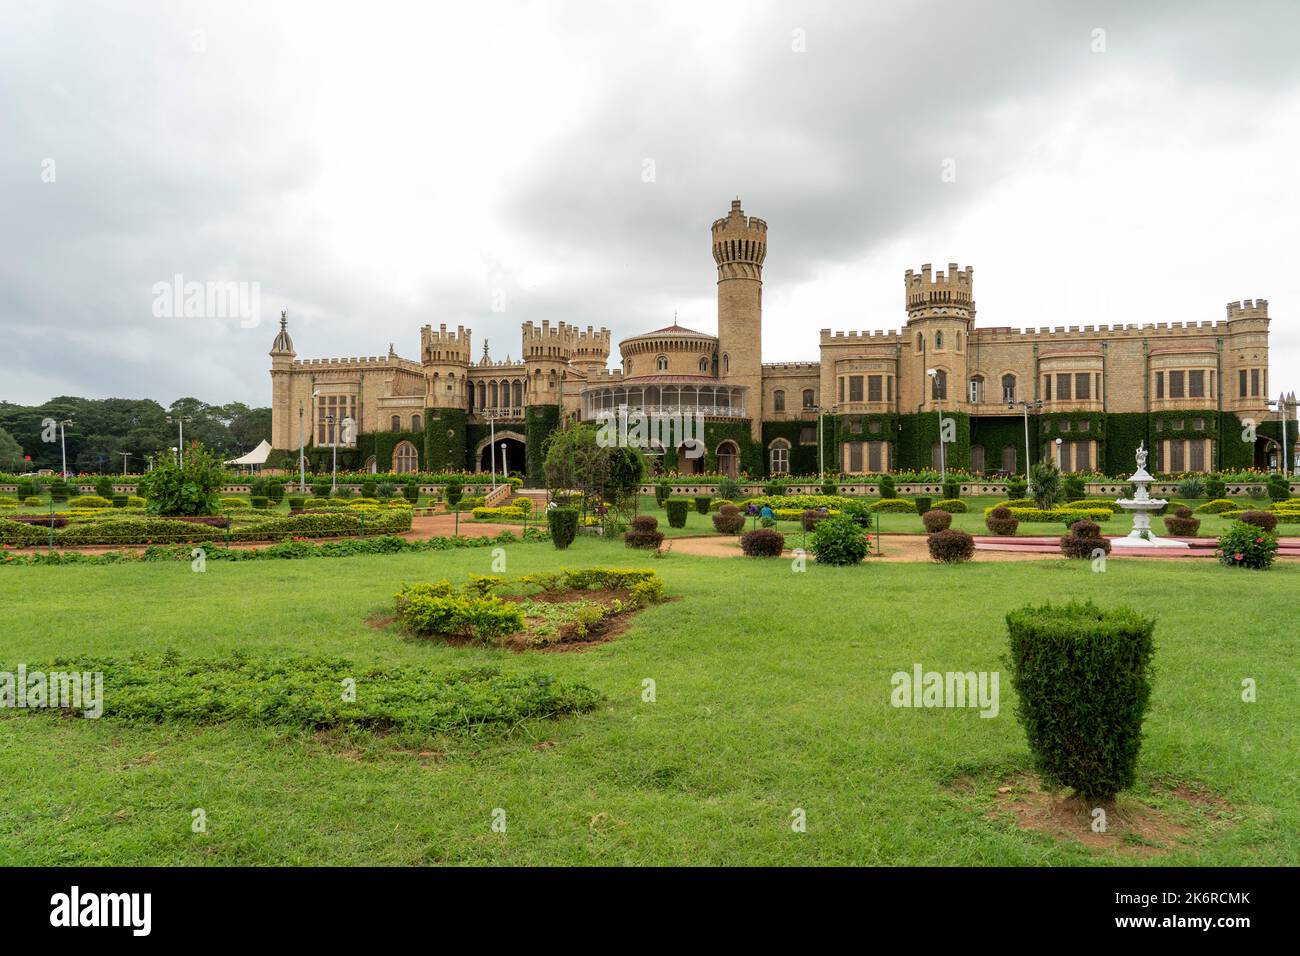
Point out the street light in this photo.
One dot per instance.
(125, 455)
(504, 476)
(492, 438)
(1282, 407)
(302, 446)
(943, 470)
(63, 444)
(1037, 406)
(180, 435)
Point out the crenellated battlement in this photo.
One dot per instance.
(875, 336)
(444, 346)
(549, 342)
(739, 241)
(792, 367)
(1061, 333)
(360, 362)
(1248, 309)
(954, 287)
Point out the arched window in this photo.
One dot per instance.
(938, 340)
(494, 394)
(370, 465)
(661, 363)
(808, 399)
(976, 389)
(727, 458)
(416, 423)
(1008, 388)
(939, 385)
(779, 457)
(958, 341)
(627, 367)
(405, 458)
(778, 400)
(704, 364)
(920, 341)
(395, 423)
(1009, 459)
(482, 395)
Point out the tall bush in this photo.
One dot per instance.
(563, 523)
(1247, 546)
(839, 541)
(1045, 482)
(1083, 678)
(189, 487)
(677, 510)
(886, 487)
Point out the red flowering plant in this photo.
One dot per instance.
(1247, 546)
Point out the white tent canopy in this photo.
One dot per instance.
(257, 456)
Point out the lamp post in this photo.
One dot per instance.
(1025, 405)
(504, 473)
(334, 442)
(63, 444)
(302, 451)
(821, 447)
(180, 435)
(125, 455)
(1281, 406)
(492, 439)
(934, 379)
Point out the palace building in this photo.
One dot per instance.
(1195, 391)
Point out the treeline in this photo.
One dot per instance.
(103, 429)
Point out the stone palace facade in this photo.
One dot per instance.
(1191, 390)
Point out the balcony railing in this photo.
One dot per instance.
(670, 411)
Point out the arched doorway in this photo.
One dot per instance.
(728, 459)
(686, 464)
(516, 461)
(1267, 453)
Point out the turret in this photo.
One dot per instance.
(445, 357)
(547, 354)
(940, 316)
(739, 249)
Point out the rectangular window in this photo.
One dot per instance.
(1084, 426)
(855, 388)
(889, 385)
(1082, 386)
(1047, 388)
(1196, 384)
(1082, 456)
(1160, 384)
(873, 388)
(1063, 387)
(1254, 381)
(808, 435)
(1241, 383)
(1063, 426)
(1063, 451)
(1197, 462)
(977, 458)
(855, 457)
(841, 388)
(1097, 391)
(1176, 461)
(875, 458)
(1176, 384)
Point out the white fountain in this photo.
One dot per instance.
(1142, 505)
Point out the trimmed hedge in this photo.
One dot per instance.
(644, 533)
(702, 504)
(762, 543)
(677, 509)
(1217, 506)
(894, 506)
(1084, 540)
(1083, 678)
(954, 506)
(729, 520)
(999, 520)
(936, 520)
(950, 546)
(1182, 523)
(563, 523)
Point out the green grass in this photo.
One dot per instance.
(772, 693)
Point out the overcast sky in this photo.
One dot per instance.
(373, 167)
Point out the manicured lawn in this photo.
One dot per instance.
(772, 694)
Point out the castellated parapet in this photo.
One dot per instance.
(1248, 309)
(739, 244)
(446, 347)
(547, 342)
(955, 287)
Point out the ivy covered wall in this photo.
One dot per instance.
(444, 439)
(994, 434)
(918, 435)
(539, 422)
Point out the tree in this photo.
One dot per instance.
(188, 488)
(11, 453)
(577, 461)
(1045, 479)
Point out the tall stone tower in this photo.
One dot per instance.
(445, 357)
(547, 353)
(940, 316)
(282, 408)
(739, 248)
(592, 352)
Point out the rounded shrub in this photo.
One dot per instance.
(839, 541)
(104, 487)
(954, 506)
(59, 490)
(702, 504)
(1215, 488)
(922, 505)
(296, 502)
(951, 546)
(901, 506)
(887, 488)
(1217, 506)
(1182, 523)
(677, 510)
(1001, 521)
(563, 523)
(729, 520)
(258, 501)
(775, 488)
(644, 533)
(321, 489)
(275, 491)
(951, 488)
(1074, 488)
(1017, 487)
(1084, 540)
(1247, 546)
(1260, 519)
(90, 501)
(1083, 678)
(369, 489)
(663, 491)
(762, 543)
(1279, 489)
(119, 501)
(936, 520)
(808, 520)
(32, 501)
